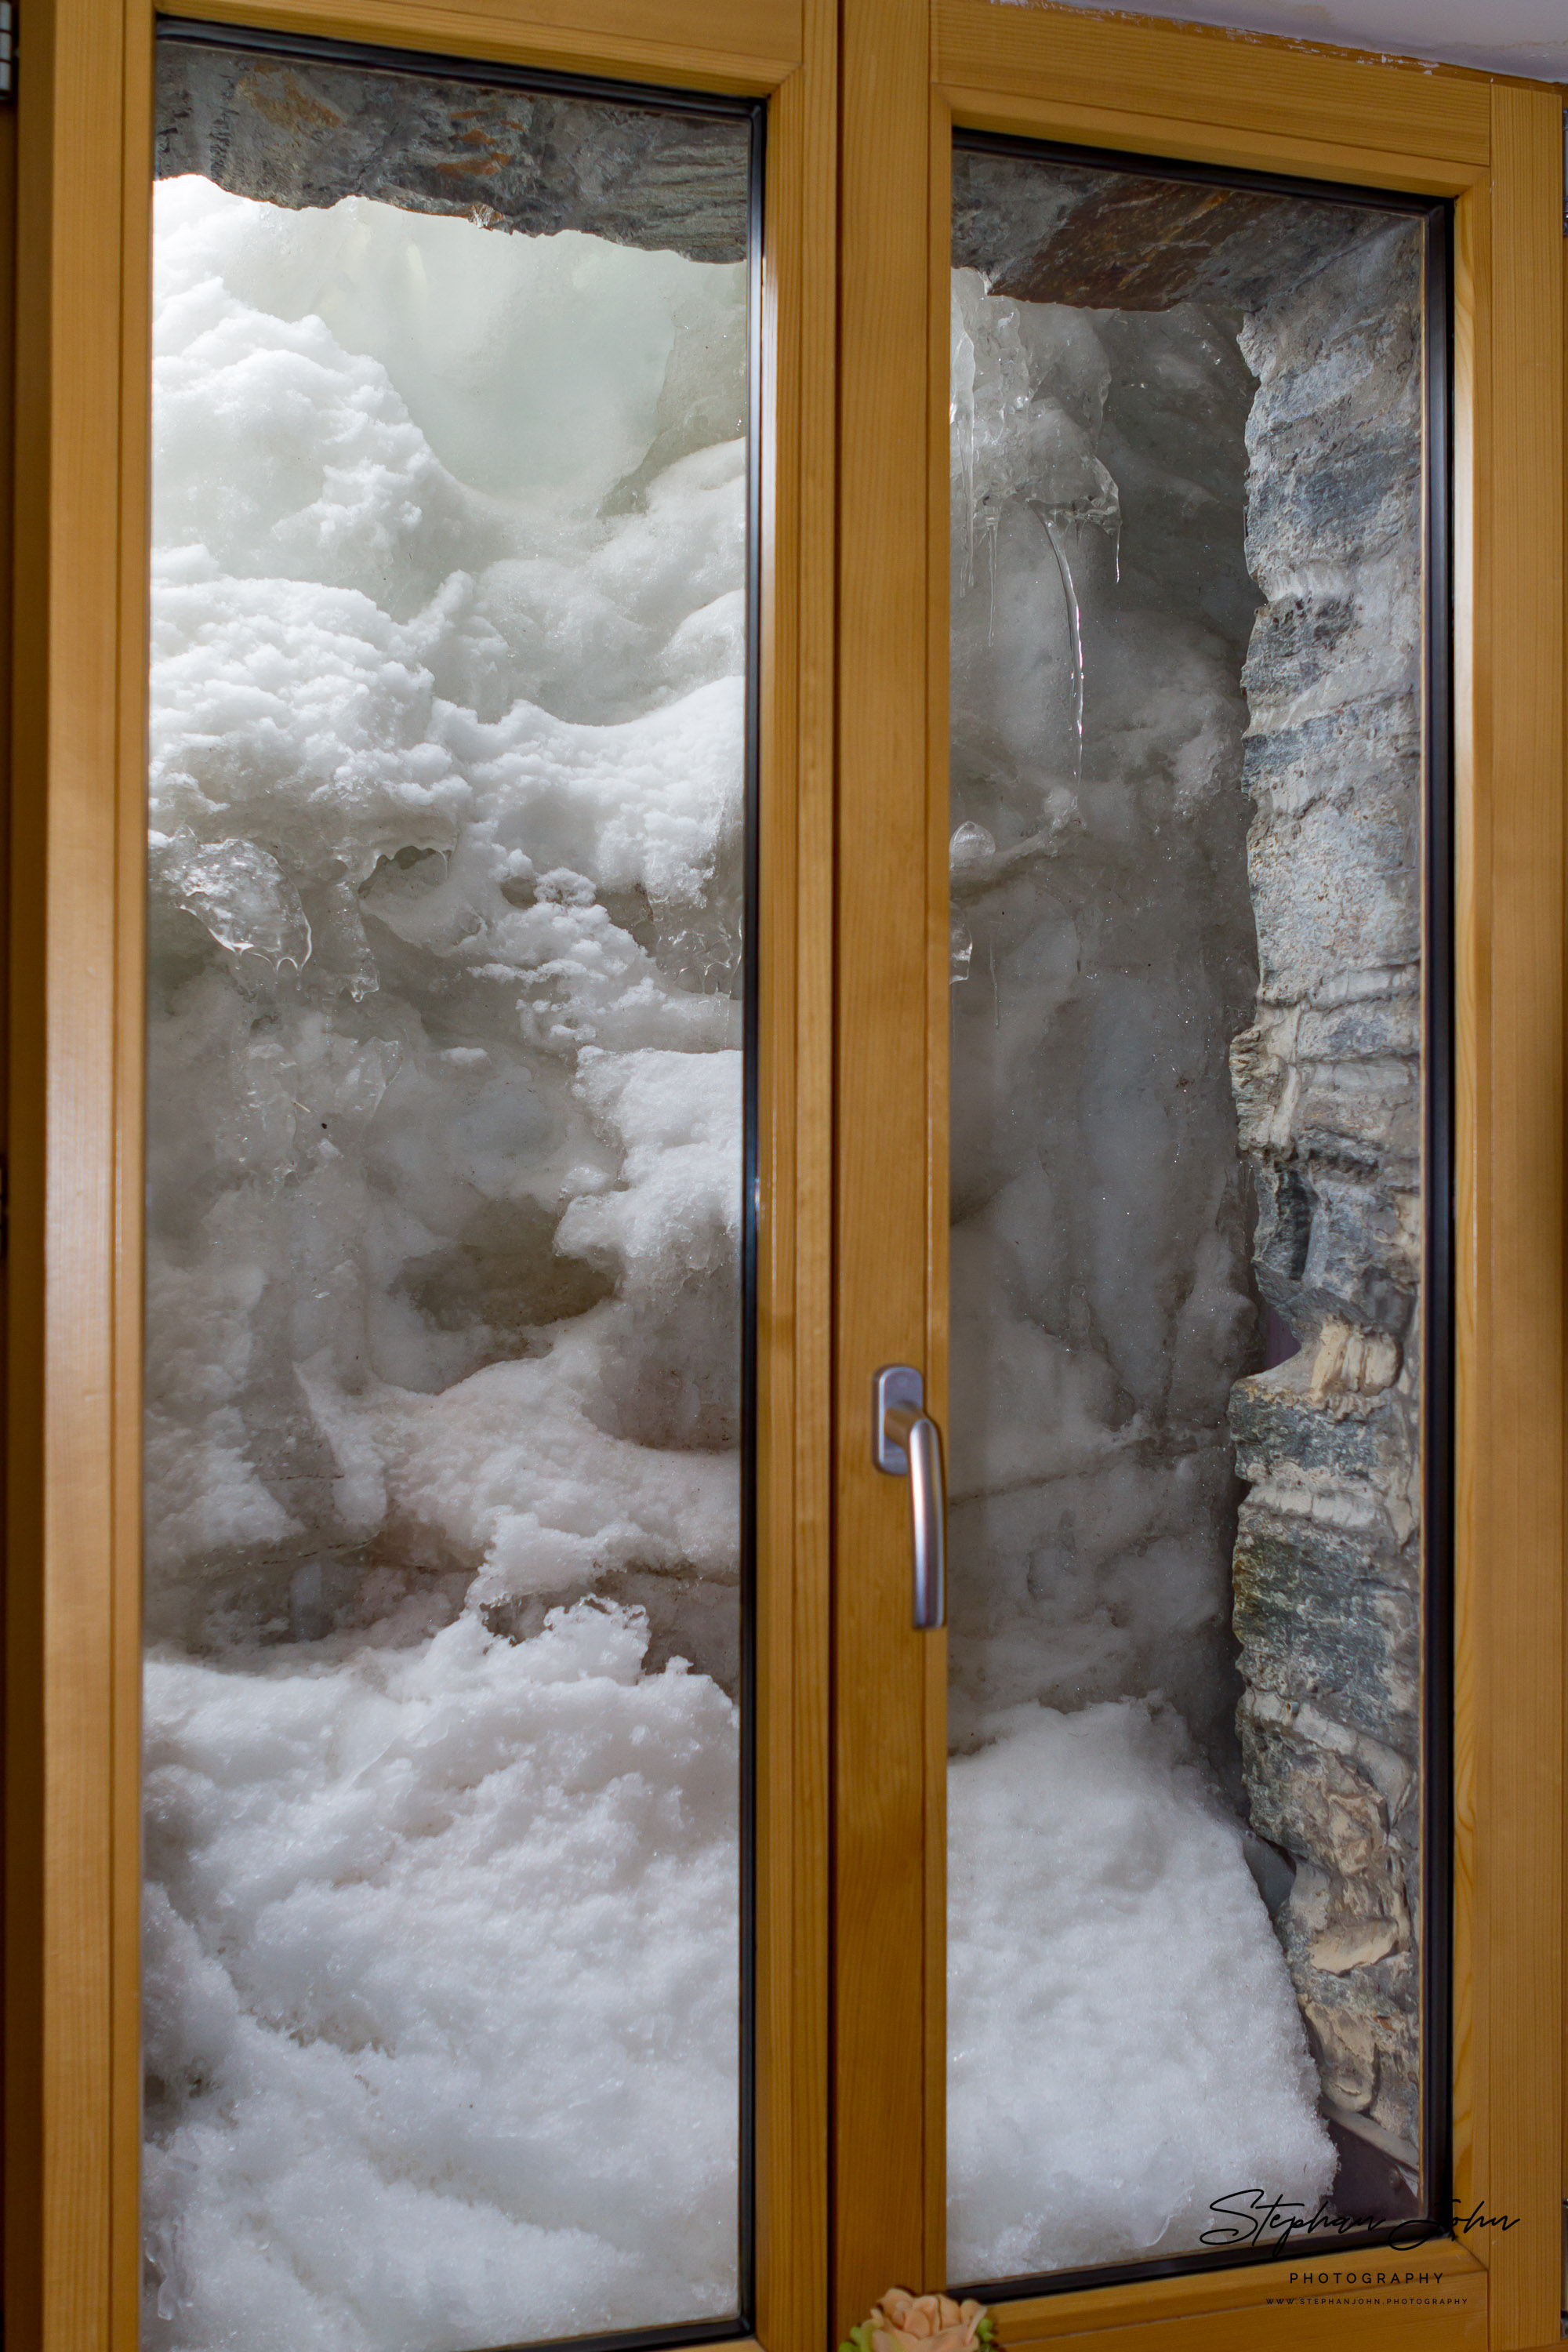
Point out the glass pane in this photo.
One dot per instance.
(445, 1358)
(1186, 1587)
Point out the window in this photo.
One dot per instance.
(446, 1537)
(1199, 712)
(857, 752)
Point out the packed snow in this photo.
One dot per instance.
(435, 1953)
(1154, 2052)
(442, 1995)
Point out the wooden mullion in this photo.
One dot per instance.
(794, 1160)
(62, 1556)
(887, 1679)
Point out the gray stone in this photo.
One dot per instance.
(1328, 1590)
(303, 133)
(1330, 1800)
(1104, 240)
(1327, 1617)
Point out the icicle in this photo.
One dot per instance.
(991, 574)
(1075, 622)
(961, 417)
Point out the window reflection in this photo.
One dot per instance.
(1188, 639)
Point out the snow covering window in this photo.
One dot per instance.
(1194, 1687)
(445, 1361)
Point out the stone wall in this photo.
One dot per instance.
(1328, 1557)
(307, 132)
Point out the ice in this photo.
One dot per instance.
(1102, 1298)
(1125, 2045)
(239, 893)
(442, 1484)
(467, 333)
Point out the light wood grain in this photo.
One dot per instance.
(8, 425)
(1441, 2321)
(1192, 74)
(1247, 106)
(1514, 1567)
(1565, 1712)
(938, 1204)
(1046, 115)
(748, 47)
(63, 1562)
(889, 1950)
(1297, 2306)
(73, 1631)
(1472, 430)
(75, 1042)
(795, 1223)
(130, 850)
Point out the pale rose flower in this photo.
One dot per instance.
(925, 2323)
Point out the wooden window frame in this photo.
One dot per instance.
(84, 175)
(853, 925)
(912, 71)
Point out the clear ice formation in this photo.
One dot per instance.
(1330, 1087)
(443, 1343)
(1102, 1298)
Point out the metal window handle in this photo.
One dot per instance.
(907, 1444)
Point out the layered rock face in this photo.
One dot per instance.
(1117, 241)
(1328, 1088)
(305, 132)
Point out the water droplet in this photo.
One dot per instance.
(971, 847)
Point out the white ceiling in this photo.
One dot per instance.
(1513, 36)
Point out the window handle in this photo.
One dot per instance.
(907, 1444)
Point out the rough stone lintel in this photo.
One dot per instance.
(303, 134)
